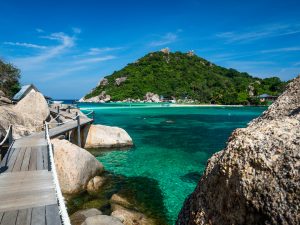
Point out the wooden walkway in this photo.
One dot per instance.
(27, 191)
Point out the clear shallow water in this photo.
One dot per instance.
(172, 145)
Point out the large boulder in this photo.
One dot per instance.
(120, 80)
(255, 179)
(103, 82)
(102, 97)
(34, 106)
(100, 136)
(151, 97)
(75, 166)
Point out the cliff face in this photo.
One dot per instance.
(256, 178)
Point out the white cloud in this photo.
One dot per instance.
(288, 49)
(39, 30)
(61, 72)
(96, 51)
(166, 39)
(260, 32)
(95, 60)
(76, 30)
(64, 42)
(23, 44)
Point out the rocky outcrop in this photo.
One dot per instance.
(120, 80)
(103, 82)
(100, 136)
(255, 179)
(75, 166)
(151, 97)
(2, 94)
(93, 217)
(103, 97)
(33, 106)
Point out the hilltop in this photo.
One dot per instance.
(182, 76)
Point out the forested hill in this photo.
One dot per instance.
(184, 75)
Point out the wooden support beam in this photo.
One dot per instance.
(78, 130)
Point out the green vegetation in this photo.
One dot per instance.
(186, 76)
(9, 79)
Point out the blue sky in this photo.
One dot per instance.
(66, 47)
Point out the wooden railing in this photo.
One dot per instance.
(8, 137)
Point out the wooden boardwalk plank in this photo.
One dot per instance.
(12, 160)
(26, 159)
(39, 158)
(45, 158)
(33, 157)
(19, 160)
(9, 218)
(24, 217)
(52, 215)
(38, 216)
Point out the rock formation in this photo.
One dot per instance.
(151, 97)
(75, 166)
(120, 80)
(27, 116)
(103, 82)
(100, 136)
(255, 179)
(103, 97)
(95, 184)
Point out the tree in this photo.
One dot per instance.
(9, 78)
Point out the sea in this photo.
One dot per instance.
(170, 152)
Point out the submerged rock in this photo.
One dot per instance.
(98, 136)
(102, 220)
(255, 179)
(80, 216)
(95, 184)
(75, 166)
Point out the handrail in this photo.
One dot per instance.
(8, 136)
(61, 203)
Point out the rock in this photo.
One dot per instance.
(255, 179)
(2, 94)
(98, 136)
(151, 97)
(103, 82)
(191, 53)
(4, 101)
(95, 184)
(103, 97)
(22, 125)
(75, 166)
(120, 80)
(34, 106)
(102, 220)
(80, 216)
(131, 217)
(127, 212)
(165, 50)
(117, 199)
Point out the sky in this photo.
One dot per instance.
(66, 47)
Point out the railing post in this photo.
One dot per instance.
(69, 109)
(93, 114)
(44, 123)
(78, 130)
(57, 109)
(10, 136)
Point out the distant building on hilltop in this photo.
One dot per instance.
(25, 90)
(266, 97)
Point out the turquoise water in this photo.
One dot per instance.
(171, 145)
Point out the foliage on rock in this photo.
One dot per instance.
(9, 79)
